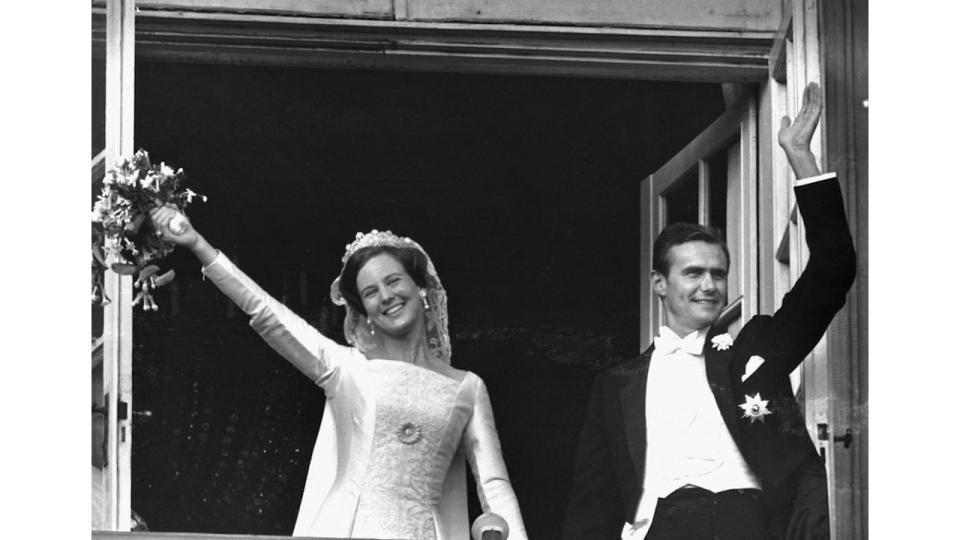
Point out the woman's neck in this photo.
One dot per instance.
(411, 347)
(412, 351)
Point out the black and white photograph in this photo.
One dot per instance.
(276, 190)
(480, 269)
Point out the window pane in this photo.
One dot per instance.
(682, 200)
(717, 165)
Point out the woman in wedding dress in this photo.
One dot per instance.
(399, 422)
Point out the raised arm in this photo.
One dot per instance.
(482, 448)
(821, 290)
(316, 356)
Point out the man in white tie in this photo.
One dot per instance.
(701, 437)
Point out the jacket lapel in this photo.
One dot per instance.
(633, 400)
(718, 376)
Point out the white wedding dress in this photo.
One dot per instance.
(389, 458)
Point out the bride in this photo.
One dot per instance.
(400, 422)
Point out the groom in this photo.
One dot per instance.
(701, 437)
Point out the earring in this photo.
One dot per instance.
(423, 298)
(370, 324)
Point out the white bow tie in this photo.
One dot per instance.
(667, 343)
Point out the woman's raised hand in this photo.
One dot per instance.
(175, 228)
(180, 232)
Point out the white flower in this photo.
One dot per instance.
(127, 179)
(111, 245)
(722, 342)
(100, 209)
(754, 408)
(165, 169)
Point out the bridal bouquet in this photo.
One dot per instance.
(119, 236)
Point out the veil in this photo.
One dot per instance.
(358, 334)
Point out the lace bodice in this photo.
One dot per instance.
(416, 433)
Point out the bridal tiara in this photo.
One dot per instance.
(377, 238)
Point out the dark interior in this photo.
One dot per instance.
(525, 191)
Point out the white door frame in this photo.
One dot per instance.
(118, 314)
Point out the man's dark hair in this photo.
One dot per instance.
(681, 233)
(414, 262)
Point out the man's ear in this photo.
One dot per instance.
(659, 282)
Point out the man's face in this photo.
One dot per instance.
(695, 288)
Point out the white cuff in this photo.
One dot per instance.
(813, 179)
(215, 262)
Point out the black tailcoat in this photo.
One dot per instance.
(609, 472)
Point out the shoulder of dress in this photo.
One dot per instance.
(467, 377)
(350, 357)
(471, 382)
(449, 371)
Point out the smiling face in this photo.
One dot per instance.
(389, 295)
(695, 289)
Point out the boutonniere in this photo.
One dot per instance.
(722, 342)
(754, 408)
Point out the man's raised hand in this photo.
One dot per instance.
(796, 136)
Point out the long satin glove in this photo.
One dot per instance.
(315, 355)
(482, 446)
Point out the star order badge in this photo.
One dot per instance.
(754, 408)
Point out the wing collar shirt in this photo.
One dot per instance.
(687, 442)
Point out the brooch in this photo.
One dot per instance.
(722, 342)
(409, 433)
(754, 408)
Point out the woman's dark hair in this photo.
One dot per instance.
(413, 260)
(681, 233)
